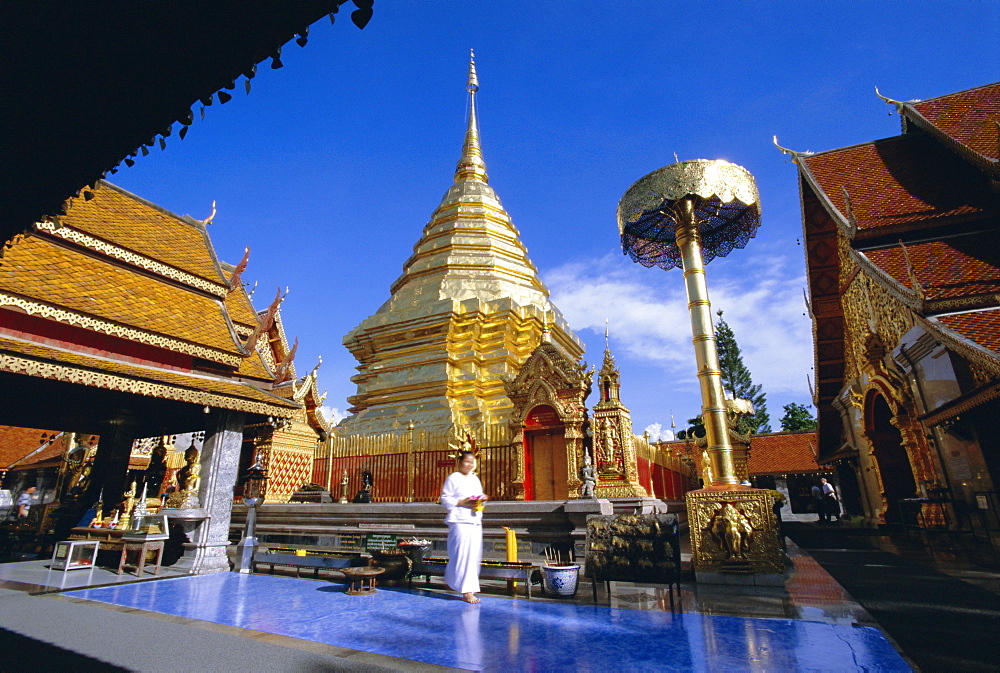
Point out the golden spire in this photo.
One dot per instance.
(471, 166)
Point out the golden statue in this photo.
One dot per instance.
(343, 489)
(732, 531)
(126, 516)
(188, 483)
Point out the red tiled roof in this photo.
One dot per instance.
(50, 453)
(969, 117)
(981, 327)
(952, 267)
(902, 180)
(15, 443)
(782, 453)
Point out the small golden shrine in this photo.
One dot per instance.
(614, 441)
(549, 395)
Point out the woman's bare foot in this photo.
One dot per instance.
(470, 598)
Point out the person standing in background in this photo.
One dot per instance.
(24, 502)
(831, 503)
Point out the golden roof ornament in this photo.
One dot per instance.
(726, 207)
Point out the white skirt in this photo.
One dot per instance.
(465, 552)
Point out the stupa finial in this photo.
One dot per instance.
(472, 86)
(471, 166)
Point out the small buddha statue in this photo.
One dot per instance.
(188, 483)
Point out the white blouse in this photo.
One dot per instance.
(457, 487)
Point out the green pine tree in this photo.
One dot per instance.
(736, 380)
(797, 417)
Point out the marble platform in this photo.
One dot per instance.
(503, 634)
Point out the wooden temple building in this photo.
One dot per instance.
(120, 322)
(112, 329)
(902, 237)
(469, 351)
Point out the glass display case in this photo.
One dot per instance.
(74, 554)
(149, 526)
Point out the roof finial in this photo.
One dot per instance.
(607, 345)
(472, 86)
(471, 166)
(890, 101)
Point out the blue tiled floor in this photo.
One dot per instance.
(500, 634)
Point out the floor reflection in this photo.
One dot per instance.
(500, 634)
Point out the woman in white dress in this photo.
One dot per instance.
(461, 492)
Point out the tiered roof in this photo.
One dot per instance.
(922, 214)
(126, 296)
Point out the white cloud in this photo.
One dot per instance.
(333, 414)
(760, 294)
(657, 433)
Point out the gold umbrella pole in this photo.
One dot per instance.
(713, 401)
(684, 215)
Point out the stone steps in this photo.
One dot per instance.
(539, 525)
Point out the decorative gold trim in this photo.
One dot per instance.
(973, 352)
(733, 531)
(114, 329)
(135, 259)
(961, 405)
(67, 374)
(701, 177)
(975, 301)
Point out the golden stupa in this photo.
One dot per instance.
(465, 315)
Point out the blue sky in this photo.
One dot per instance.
(331, 166)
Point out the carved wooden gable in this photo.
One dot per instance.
(549, 377)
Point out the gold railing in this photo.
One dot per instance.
(411, 465)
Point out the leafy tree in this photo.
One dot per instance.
(797, 417)
(736, 380)
(695, 428)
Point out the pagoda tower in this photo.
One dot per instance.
(465, 315)
(614, 442)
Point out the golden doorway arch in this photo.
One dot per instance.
(545, 439)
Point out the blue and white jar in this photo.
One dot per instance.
(560, 580)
